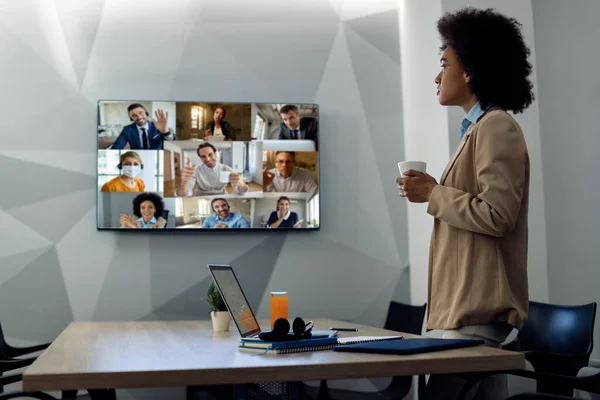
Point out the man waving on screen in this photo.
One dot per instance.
(143, 134)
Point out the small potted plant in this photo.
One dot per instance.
(218, 311)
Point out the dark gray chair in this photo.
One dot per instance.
(165, 215)
(557, 340)
(9, 355)
(402, 318)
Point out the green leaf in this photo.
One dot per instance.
(213, 297)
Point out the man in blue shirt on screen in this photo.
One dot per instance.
(223, 218)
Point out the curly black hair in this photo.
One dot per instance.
(490, 47)
(154, 198)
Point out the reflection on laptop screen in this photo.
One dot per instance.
(235, 300)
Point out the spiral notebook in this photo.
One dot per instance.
(301, 346)
(297, 346)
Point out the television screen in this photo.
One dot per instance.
(202, 165)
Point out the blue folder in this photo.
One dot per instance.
(409, 346)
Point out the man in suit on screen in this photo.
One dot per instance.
(295, 127)
(144, 134)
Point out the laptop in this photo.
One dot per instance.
(237, 304)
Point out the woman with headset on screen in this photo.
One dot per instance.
(218, 127)
(147, 212)
(283, 217)
(207, 176)
(130, 165)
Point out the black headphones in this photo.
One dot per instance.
(119, 166)
(281, 331)
(130, 154)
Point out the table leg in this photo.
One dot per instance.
(102, 394)
(210, 392)
(69, 394)
(294, 390)
(472, 380)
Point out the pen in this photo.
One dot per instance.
(344, 329)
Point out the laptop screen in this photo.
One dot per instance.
(234, 299)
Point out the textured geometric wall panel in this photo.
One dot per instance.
(61, 56)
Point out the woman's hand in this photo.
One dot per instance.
(126, 222)
(416, 186)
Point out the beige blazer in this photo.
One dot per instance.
(478, 251)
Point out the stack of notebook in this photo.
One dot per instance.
(257, 346)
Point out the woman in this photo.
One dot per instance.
(218, 127)
(478, 253)
(147, 212)
(130, 164)
(283, 217)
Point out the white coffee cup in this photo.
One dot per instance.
(404, 166)
(224, 176)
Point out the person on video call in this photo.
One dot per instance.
(206, 176)
(223, 218)
(218, 127)
(286, 177)
(143, 134)
(147, 212)
(478, 255)
(294, 127)
(283, 217)
(130, 164)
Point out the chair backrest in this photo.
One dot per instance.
(559, 329)
(405, 318)
(165, 215)
(2, 341)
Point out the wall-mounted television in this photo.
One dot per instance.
(206, 165)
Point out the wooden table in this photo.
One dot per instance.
(142, 354)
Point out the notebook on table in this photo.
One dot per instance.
(304, 345)
(296, 346)
(409, 346)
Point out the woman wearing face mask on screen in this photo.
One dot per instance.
(130, 164)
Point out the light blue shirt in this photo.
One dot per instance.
(474, 113)
(233, 220)
(146, 225)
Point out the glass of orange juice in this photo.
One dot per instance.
(279, 306)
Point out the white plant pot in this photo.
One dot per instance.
(220, 320)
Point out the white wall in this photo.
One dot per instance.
(115, 113)
(425, 123)
(566, 35)
(255, 152)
